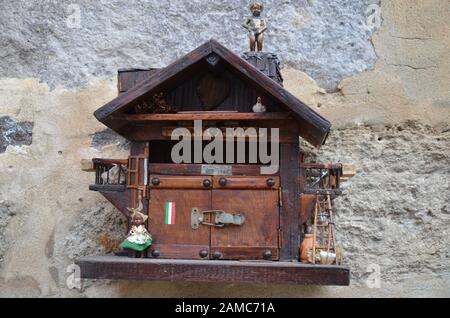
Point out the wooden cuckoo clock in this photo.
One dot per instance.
(218, 213)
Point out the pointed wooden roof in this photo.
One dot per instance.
(313, 127)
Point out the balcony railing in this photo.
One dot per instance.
(110, 174)
(322, 178)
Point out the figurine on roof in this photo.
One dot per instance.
(256, 27)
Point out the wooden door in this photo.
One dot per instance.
(257, 199)
(175, 238)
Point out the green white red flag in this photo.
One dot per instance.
(170, 212)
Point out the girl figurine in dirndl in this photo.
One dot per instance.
(138, 239)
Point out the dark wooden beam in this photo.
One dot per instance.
(107, 187)
(162, 130)
(317, 165)
(208, 116)
(116, 267)
(110, 161)
(193, 169)
(289, 211)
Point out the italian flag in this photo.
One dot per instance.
(170, 212)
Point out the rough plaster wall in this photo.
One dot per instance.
(14, 133)
(45, 41)
(394, 213)
(410, 79)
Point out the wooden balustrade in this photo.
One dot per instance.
(110, 171)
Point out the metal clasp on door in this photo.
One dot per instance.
(221, 218)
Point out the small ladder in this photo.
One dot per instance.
(324, 238)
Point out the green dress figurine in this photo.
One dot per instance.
(138, 239)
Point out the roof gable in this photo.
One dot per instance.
(312, 126)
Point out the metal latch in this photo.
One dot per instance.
(221, 218)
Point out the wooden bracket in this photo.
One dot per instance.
(348, 171)
(87, 165)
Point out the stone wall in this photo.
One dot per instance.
(379, 70)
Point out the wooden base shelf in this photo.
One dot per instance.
(119, 267)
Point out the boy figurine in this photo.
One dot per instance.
(256, 27)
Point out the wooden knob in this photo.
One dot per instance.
(267, 254)
(270, 182)
(223, 182)
(156, 181)
(203, 253)
(217, 255)
(156, 253)
(206, 183)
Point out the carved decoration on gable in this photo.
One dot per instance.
(212, 91)
(213, 59)
(154, 105)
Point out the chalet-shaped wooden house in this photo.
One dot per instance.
(228, 220)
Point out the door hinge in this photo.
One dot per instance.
(280, 197)
(280, 237)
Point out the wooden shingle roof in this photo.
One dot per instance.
(312, 126)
